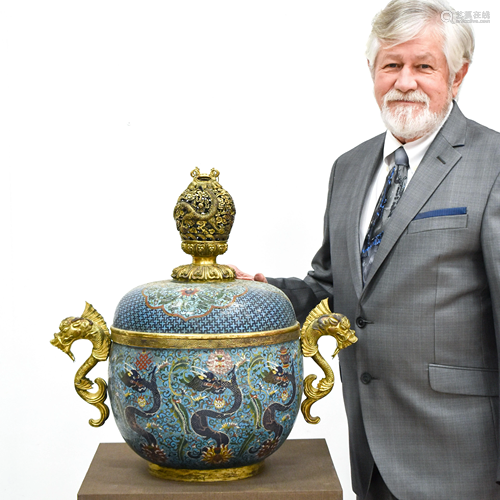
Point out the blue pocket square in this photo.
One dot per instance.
(442, 212)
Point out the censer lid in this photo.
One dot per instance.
(173, 306)
(204, 297)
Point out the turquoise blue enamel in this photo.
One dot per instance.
(171, 306)
(202, 408)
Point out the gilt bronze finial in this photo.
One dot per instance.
(204, 215)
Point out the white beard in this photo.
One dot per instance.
(411, 122)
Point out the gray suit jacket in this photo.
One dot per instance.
(421, 385)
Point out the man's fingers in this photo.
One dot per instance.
(241, 275)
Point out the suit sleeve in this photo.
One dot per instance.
(305, 294)
(490, 241)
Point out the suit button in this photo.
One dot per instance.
(361, 322)
(366, 378)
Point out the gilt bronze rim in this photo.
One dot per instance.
(204, 341)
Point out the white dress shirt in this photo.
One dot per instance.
(415, 151)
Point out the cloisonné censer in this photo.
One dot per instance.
(205, 370)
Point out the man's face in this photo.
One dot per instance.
(411, 83)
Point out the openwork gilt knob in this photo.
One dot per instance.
(204, 215)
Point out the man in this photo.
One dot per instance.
(411, 256)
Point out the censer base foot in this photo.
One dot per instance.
(196, 475)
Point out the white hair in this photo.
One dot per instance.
(404, 20)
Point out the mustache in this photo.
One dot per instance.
(411, 96)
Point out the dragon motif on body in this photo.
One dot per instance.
(210, 383)
(133, 380)
(281, 378)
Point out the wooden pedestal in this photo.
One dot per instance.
(300, 470)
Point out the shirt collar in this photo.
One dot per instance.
(415, 149)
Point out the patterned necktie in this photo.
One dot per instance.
(389, 198)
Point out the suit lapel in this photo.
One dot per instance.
(362, 178)
(435, 166)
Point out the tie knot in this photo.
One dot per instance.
(400, 157)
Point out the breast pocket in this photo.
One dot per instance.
(439, 219)
(463, 380)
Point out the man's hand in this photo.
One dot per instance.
(245, 276)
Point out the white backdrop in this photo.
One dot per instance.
(106, 107)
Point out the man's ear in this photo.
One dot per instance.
(459, 77)
(370, 68)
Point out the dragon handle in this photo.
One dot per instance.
(321, 321)
(89, 326)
